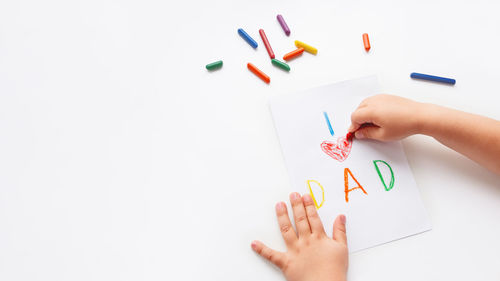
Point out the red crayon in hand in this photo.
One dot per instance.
(266, 43)
(349, 136)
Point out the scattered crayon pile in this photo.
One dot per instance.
(301, 47)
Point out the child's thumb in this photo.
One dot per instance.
(370, 132)
(339, 233)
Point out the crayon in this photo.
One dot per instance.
(427, 77)
(307, 48)
(349, 136)
(283, 24)
(266, 43)
(214, 65)
(281, 65)
(259, 73)
(366, 41)
(293, 54)
(247, 38)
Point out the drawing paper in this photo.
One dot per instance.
(377, 212)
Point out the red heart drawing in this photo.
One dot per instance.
(338, 151)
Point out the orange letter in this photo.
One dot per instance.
(346, 184)
(312, 193)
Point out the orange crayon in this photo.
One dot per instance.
(293, 54)
(366, 41)
(259, 73)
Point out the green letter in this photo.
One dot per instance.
(391, 184)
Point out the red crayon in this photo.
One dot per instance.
(349, 136)
(266, 43)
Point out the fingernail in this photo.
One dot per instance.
(342, 219)
(280, 206)
(359, 135)
(307, 199)
(254, 244)
(294, 196)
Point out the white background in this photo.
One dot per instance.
(122, 158)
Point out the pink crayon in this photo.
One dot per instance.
(283, 24)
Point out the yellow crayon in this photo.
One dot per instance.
(307, 48)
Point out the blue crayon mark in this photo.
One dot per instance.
(427, 77)
(328, 123)
(247, 38)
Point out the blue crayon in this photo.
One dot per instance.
(247, 38)
(415, 75)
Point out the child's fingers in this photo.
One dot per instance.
(361, 116)
(312, 215)
(370, 132)
(286, 228)
(353, 128)
(339, 233)
(299, 215)
(275, 257)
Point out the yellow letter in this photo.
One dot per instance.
(312, 193)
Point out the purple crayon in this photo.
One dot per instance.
(283, 25)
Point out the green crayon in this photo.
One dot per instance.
(281, 65)
(214, 65)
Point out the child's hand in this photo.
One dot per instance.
(311, 255)
(386, 117)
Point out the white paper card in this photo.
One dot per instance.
(318, 162)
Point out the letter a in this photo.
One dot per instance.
(347, 172)
(391, 184)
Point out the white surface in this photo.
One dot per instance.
(122, 158)
(374, 218)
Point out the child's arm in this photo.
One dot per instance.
(311, 255)
(386, 117)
